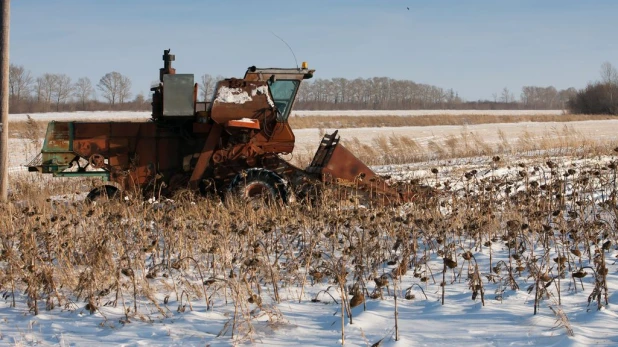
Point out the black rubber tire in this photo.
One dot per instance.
(106, 192)
(257, 183)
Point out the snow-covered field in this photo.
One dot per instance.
(506, 319)
(128, 115)
(94, 116)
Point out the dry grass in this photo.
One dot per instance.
(18, 129)
(339, 122)
(393, 149)
(541, 226)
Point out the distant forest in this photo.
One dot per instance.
(58, 92)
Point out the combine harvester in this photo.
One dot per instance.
(229, 145)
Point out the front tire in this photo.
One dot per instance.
(103, 193)
(259, 184)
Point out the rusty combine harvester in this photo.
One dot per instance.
(231, 144)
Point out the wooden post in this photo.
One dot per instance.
(5, 8)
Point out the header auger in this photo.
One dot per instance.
(229, 144)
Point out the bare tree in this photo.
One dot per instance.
(506, 96)
(62, 89)
(565, 95)
(207, 87)
(83, 91)
(341, 87)
(125, 89)
(20, 84)
(45, 87)
(541, 97)
(115, 87)
(38, 89)
(609, 75)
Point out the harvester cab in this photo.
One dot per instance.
(230, 143)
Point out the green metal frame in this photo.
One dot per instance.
(104, 175)
(51, 130)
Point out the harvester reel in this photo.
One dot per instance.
(259, 184)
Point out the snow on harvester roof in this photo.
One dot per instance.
(263, 90)
(238, 96)
(232, 95)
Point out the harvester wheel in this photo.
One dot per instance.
(103, 193)
(259, 184)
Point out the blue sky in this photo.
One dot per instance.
(476, 47)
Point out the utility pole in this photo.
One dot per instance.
(5, 8)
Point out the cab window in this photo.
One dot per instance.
(283, 94)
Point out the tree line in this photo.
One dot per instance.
(600, 97)
(384, 93)
(58, 92)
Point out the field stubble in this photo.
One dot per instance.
(546, 225)
(383, 149)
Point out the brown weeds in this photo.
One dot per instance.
(542, 224)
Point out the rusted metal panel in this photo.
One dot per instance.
(145, 151)
(237, 99)
(338, 165)
(92, 130)
(204, 158)
(126, 129)
(201, 128)
(87, 147)
(147, 130)
(344, 165)
(120, 161)
(168, 154)
(264, 74)
(244, 123)
(118, 145)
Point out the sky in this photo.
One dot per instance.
(476, 47)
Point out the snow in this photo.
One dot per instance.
(263, 90)
(506, 319)
(232, 96)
